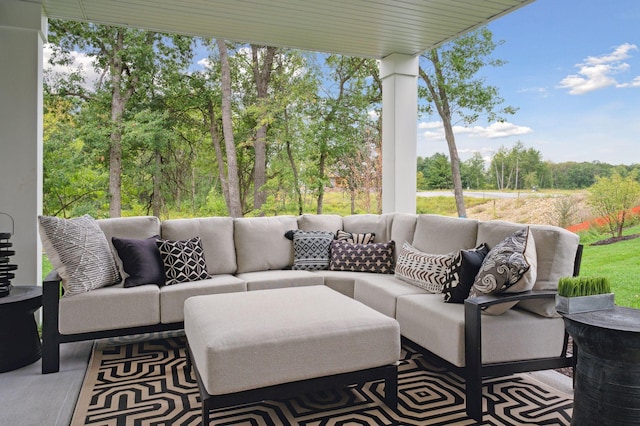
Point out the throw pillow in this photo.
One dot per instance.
(183, 260)
(511, 267)
(350, 237)
(464, 269)
(376, 257)
(311, 250)
(427, 271)
(79, 252)
(141, 260)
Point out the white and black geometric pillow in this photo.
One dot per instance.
(183, 260)
(464, 268)
(350, 237)
(79, 252)
(311, 250)
(427, 271)
(374, 257)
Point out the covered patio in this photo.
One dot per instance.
(394, 32)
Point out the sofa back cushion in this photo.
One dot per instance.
(555, 251)
(442, 234)
(137, 227)
(261, 245)
(403, 227)
(363, 223)
(216, 237)
(320, 222)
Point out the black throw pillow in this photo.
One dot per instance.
(463, 273)
(140, 260)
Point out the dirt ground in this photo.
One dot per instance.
(546, 210)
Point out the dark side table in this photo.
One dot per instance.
(19, 340)
(607, 374)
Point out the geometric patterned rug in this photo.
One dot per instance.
(144, 383)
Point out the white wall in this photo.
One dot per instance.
(22, 30)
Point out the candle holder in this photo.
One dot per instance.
(6, 268)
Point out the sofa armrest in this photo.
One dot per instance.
(481, 302)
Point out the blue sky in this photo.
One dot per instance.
(574, 73)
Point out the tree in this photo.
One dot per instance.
(436, 171)
(457, 93)
(612, 197)
(472, 172)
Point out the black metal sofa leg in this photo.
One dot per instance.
(473, 393)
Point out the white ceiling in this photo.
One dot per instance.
(364, 28)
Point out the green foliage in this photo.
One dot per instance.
(583, 286)
(612, 197)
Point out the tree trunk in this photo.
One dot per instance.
(294, 168)
(262, 76)
(215, 141)
(156, 200)
(455, 168)
(234, 205)
(321, 166)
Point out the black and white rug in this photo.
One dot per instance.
(144, 383)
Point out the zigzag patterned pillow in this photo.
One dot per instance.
(183, 260)
(350, 237)
(430, 272)
(311, 250)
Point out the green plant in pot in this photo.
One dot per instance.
(583, 294)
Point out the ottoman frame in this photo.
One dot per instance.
(388, 373)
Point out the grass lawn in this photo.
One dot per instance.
(619, 262)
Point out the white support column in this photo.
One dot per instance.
(399, 75)
(22, 33)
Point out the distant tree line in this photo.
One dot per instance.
(516, 168)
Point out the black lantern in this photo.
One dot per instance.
(6, 274)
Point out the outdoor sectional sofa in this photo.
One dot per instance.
(249, 254)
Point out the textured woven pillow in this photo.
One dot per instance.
(141, 260)
(183, 260)
(510, 267)
(376, 257)
(464, 268)
(311, 250)
(79, 252)
(350, 237)
(427, 271)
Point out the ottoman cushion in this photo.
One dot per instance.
(242, 341)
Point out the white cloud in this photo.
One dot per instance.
(435, 131)
(205, 63)
(596, 72)
(80, 61)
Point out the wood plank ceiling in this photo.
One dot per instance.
(364, 28)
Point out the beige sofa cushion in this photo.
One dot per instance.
(265, 280)
(261, 245)
(380, 292)
(322, 222)
(403, 228)
(255, 339)
(362, 223)
(515, 335)
(110, 308)
(441, 234)
(216, 236)
(555, 251)
(172, 297)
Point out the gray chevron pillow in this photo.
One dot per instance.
(80, 253)
(427, 271)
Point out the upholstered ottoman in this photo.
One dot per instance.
(274, 344)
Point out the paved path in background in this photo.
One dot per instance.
(486, 194)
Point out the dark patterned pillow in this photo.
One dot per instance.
(427, 271)
(183, 260)
(510, 267)
(79, 252)
(311, 250)
(376, 257)
(350, 237)
(464, 269)
(141, 260)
